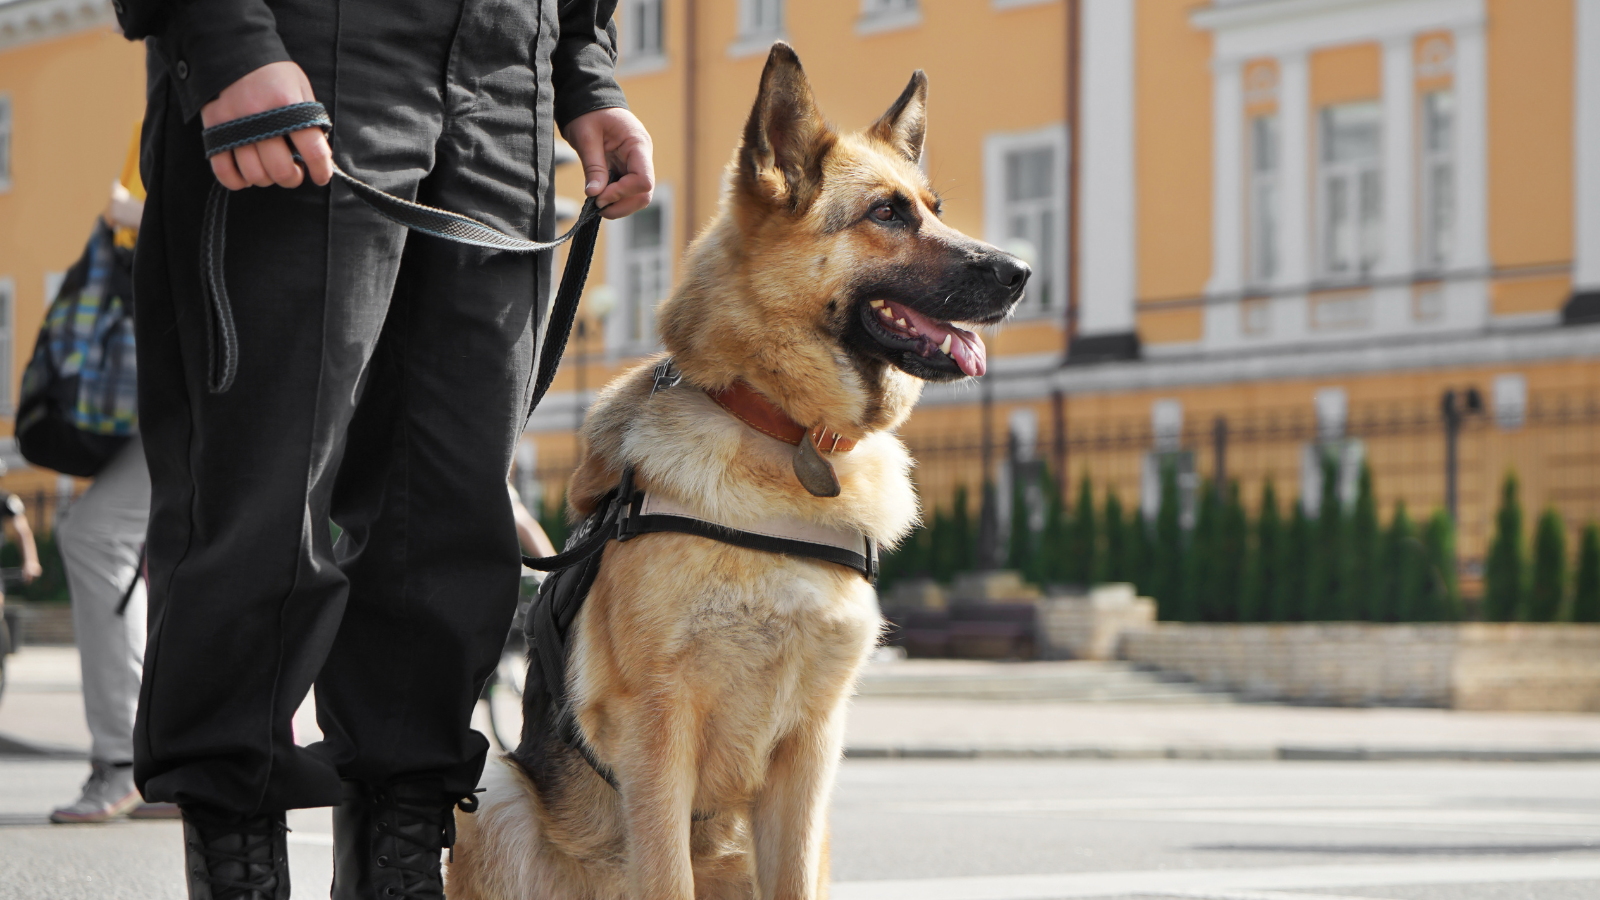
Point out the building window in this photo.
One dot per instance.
(887, 7)
(1438, 178)
(8, 296)
(641, 30)
(1264, 155)
(760, 18)
(1027, 201)
(878, 16)
(640, 267)
(1351, 190)
(5, 142)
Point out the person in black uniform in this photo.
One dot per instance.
(383, 380)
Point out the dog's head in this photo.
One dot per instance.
(828, 280)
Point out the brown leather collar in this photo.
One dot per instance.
(750, 407)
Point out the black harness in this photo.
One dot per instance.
(619, 517)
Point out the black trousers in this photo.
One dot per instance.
(383, 381)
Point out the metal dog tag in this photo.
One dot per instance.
(815, 473)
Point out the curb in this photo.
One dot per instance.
(17, 748)
(1285, 753)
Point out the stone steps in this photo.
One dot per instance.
(1072, 682)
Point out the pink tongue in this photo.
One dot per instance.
(966, 348)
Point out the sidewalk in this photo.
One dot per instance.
(41, 714)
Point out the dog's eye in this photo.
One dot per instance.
(883, 212)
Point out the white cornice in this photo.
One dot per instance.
(1255, 28)
(29, 21)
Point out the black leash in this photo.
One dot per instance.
(440, 223)
(138, 573)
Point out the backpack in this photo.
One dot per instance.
(79, 403)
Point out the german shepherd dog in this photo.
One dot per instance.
(712, 680)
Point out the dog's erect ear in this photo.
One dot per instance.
(786, 138)
(905, 125)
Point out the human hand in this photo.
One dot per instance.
(608, 139)
(31, 570)
(124, 211)
(268, 162)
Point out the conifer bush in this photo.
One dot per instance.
(1200, 558)
(1117, 567)
(1052, 559)
(1141, 554)
(1402, 567)
(1504, 576)
(1441, 602)
(1166, 564)
(1358, 575)
(1229, 560)
(1265, 557)
(1292, 588)
(1326, 563)
(1586, 581)
(1548, 588)
(1022, 543)
(1083, 555)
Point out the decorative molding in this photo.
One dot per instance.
(1274, 27)
(30, 21)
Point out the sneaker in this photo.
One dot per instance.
(156, 811)
(108, 793)
(236, 858)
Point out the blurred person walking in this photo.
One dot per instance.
(101, 539)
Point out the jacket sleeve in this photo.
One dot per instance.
(584, 64)
(206, 44)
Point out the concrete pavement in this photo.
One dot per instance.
(1237, 820)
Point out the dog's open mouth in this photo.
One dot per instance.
(941, 344)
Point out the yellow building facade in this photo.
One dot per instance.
(1299, 224)
(1258, 226)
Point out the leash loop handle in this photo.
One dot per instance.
(223, 345)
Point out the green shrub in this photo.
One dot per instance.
(1504, 576)
(1586, 583)
(1052, 557)
(1229, 559)
(1441, 603)
(1549, 569)
(1083, 544)
(1291, 590)
(1141, 554)
(1358, 576)
(1118, 566)
(1265, 557)
(1402, 565)
(1022, 543)
(1166, 564)
(1327, 561)
(1201, 558)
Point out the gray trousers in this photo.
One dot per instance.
(100, 537)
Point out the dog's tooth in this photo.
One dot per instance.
(886, 314)
(876, 304)
(900, 322)
(945, 347)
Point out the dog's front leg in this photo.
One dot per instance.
(791, 812)
(658, 786)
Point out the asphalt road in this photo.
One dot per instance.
(1020, 830)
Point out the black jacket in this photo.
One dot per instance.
(209, 44)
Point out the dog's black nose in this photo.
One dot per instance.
(1008, 270)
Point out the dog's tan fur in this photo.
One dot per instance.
(713, 679)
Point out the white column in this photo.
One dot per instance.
(1106, 274)
(1472, 150)
(1399, 155)
(1586, 155)
(1294, 174)
(1227, 173)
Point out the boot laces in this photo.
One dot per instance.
(426, 870)
(255, 836)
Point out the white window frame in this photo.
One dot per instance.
(619, 261)
(643, 30)
(1436, 175)
(762, 18)
(998, 213)
(1266, 203)
(1352, 176)
(8, 318)
(7, 128)
(878, 16)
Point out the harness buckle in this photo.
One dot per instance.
(872, 561)
(665, 377)
(631, 503)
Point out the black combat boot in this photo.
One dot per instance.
(236, 859)
(387, 840)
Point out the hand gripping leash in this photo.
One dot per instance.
(440, 223)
